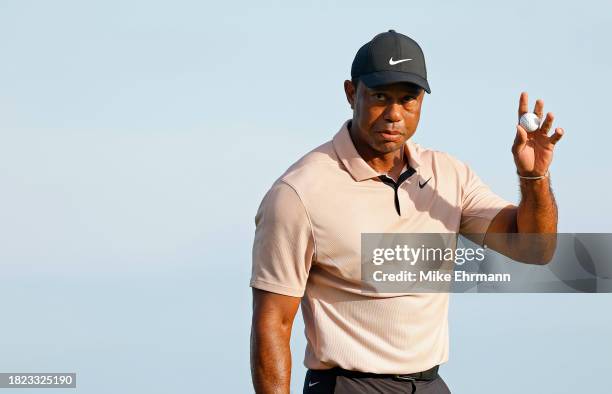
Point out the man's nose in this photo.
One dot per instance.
(393, 113)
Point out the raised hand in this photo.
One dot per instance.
(533, 152)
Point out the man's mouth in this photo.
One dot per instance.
(391, 135)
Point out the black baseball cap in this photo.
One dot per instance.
(388, 58)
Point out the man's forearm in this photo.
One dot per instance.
(537, 211)
(270, 359)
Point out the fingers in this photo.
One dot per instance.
(547, 124)
(523, 104)
(538, 109)
(557, 135)
(520, 140)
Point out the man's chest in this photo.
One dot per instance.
(341, 215)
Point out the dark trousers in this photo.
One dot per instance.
(319, 382)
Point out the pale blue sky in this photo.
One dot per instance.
(138, 138)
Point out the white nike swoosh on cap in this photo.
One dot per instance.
(394, 62)
(312, 384)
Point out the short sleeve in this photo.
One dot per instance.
(283, 248)
(479, 204)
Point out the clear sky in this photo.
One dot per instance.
(137, 139)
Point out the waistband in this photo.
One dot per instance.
(430, 374)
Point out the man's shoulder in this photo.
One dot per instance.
(319, 164)
(433, 157)
(451, 169)
(305, 178)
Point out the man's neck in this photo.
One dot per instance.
(396, 170)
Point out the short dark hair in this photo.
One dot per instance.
(355, 82)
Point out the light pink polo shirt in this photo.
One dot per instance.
(308, 244)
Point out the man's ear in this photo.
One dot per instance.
(422, 94)
(350, 91)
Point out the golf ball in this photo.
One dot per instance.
(530, 121)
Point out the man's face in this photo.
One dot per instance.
(384, 117)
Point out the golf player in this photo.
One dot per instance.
(370, 177)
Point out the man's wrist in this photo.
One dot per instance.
(535, 189)
(532, 176)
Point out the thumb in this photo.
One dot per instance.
(520, 140)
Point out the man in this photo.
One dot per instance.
(371, 178)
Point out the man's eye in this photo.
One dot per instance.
(409, 98)
(379, 96)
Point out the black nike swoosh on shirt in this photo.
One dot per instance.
(422, 185)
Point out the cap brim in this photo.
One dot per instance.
(381, 78)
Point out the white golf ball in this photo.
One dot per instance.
(530, 121)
